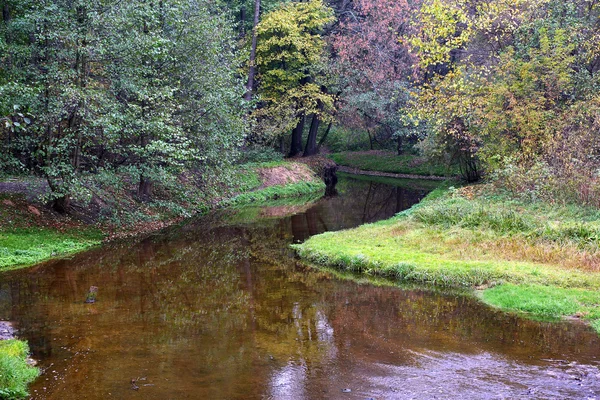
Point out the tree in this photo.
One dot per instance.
(375, 65)
(290, 59)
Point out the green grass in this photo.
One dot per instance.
(15, 372)
(277, 192)
(391, 162)
(416, 184)
(26, 246)
(546, 302)
(539, 259)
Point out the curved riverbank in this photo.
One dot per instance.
(474, 237)
(31, 233)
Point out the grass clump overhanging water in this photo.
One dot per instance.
(15, 372)
(393, 163)
(26, 246)
(539, 259)
(277, 192)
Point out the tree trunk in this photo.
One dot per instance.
(296, 147)
(322, 141)
(5, 13)
(399, 148)
(242, 21)
(370, 139)
(252, 63)
(145, 188)
(311, 142)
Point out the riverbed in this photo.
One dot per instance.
(221, 308)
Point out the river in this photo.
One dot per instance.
(221, 308)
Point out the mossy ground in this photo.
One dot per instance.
(15, 372)
(387, 161)
(539, 259)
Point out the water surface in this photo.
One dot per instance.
(220, 308)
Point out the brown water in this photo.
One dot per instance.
(220, 308)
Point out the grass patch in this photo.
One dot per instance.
(416, 184)
(385, 161)
(540, 259)
(546, 302)
(277, 192)
(15, 372)
(26, 246)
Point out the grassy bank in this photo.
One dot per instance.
(539, 259)
(264, 182)
(387, 161)
(31, 233)
(15, 372)
(26, 246)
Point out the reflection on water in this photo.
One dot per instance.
(220, 308)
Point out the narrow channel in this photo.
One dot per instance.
(220, 308)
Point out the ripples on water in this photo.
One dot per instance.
(220, 308)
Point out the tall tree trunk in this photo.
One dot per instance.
(5, 13)
(322, 141)
(370, 139)
(145, 187)
(311, 142)
(252, 63)
(296, 147)
(242, 21)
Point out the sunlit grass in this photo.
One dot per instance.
(28, 246)
(15, 372)
(539, 259)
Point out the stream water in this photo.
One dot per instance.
(220, 308)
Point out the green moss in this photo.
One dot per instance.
(22, 247)
(391, 162)
(15, 372)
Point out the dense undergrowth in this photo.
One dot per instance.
(15, 372)
(535, 258)
(387, 161)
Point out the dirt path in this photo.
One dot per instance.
(357, 171)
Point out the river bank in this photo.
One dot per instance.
(30, 232)
(538, 259)
(16, 369)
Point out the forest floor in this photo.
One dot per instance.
(380, 161)
(30, 232)
(539, 259)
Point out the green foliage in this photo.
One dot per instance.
(259, 154)
(131, 86)
(15, 372)
(503, 87)
(289, 58)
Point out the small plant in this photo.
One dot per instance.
(15, 371)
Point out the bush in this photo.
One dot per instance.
(259, 154)
(15, 372)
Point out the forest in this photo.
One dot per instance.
(144, 91)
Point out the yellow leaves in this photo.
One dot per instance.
(444, 27)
